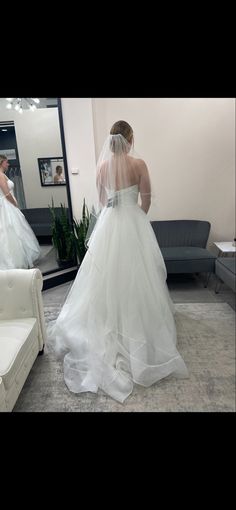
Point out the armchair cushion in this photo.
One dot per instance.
(186, 253)
(16, 338)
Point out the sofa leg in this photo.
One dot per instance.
(41, 352)
(207, 279)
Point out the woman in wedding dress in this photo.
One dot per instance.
(117, 327)
(19, 247)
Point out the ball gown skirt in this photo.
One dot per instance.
(117, 324)
(19, 248)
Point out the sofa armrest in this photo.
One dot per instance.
(20, 297)
(3, 406)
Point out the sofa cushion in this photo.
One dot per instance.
(186, 253)
(16, 338)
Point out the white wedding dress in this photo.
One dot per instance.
(117, 326)
(19, 248)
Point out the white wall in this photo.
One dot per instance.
(79, 139)
(188, 145)
(38, 136)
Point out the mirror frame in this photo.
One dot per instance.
(64, 155)
(58, 275)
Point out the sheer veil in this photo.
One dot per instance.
(119, 168)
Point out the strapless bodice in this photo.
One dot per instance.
(10, 185)
(125, 196)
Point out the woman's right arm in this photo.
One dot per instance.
(5, 189)
(144, 187)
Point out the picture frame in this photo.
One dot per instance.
(52, 171)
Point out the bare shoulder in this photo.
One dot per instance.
(141, 166)
(137, 161)
(3, 178)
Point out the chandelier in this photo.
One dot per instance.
(22, 103)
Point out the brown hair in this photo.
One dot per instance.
(124, 129)
(121, 127)
(59, 167)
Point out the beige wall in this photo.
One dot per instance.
(79, 140)
(38, 136)
(188, 145)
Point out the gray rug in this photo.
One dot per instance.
(45, 250)
(206, 340)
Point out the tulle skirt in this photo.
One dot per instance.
(117, 325)
(19, 248)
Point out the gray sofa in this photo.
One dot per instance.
(40, 220)
(183, 246)
(226, 271)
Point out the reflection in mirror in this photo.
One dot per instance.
(33, 173)
(51, 171)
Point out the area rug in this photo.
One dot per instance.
(206, 340)
(45, 250)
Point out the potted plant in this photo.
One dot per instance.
(63, 236)
(80, 232)
(81, 228)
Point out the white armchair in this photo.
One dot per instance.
(22, 330)
(2, 396)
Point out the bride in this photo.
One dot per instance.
(19, 248)
(117, 326)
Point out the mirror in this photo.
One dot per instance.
(33, 142)
(51, 171)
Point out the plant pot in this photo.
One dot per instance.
(66, 263)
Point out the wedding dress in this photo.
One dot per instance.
(117, 327)
(19, 247)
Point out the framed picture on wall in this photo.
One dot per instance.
(51, 171)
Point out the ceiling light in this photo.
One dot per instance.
(22, 103)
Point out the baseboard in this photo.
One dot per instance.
(60, 277)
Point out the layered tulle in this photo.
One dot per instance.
(19, 248)
(117, 325)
